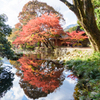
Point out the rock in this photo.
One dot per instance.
(67, 53)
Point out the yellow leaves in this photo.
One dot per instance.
(30, 66)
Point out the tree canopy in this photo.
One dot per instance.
(15, 32)
(5, 30)
(40, 29)
(34, 9)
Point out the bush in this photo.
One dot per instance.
(87, 70)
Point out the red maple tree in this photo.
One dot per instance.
(78, 36)
(75, 37)
(40, 29)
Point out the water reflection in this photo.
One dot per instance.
(6, 79)
(31, 91)
(39, 77)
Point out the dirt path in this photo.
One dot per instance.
(78, 48)
(71, 49)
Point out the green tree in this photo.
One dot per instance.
(5, 30)
(84, 10)
(96, 4)
(72, 29)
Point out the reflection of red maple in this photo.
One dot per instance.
(40, 74)
(72, 76)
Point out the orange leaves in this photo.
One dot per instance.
(72, 76)
(46, 26)
(40, 73)
(18, 25)
(74, 38)
(77, 35)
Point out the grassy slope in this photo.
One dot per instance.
(86, 67)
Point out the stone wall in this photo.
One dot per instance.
(60, 51)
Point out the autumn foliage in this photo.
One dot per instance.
(34, 9)
(15, 32)
(40, 29)
(72, 76)
(78, 36)
(40, 73)
(75, 37)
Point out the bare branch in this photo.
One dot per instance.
(74, 2)
(70, 6)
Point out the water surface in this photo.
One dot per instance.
(36, 79)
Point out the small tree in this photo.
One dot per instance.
(75, 37)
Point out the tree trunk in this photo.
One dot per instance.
(50, 44)
(84, 11)
(92, 31)
(94, 37)
(45, 44)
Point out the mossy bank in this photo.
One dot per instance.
(85, 65)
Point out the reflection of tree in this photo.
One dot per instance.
(40, 77)
(82, 92)
(6, 78)
(85, 91)
(76, 93)
(31, 91)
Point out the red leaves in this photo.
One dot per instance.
(77, 36)
(72, 76)
(46, 26)
(40, 74)
(18, 25)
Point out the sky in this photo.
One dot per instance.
(12, 8)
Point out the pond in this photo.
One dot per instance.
(34, 78)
